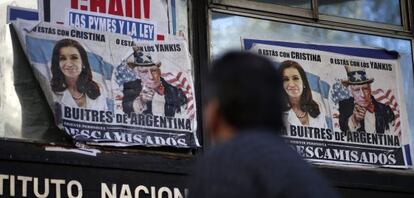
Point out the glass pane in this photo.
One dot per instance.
(384, 11)
(24, 112)
(226, 31)
(306, 4)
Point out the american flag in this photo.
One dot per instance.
(387, 97)
(180, 81)
(340, 92)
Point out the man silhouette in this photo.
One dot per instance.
(243, 117)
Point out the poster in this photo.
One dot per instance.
(343, 105)
(107, 89)
(140, 19)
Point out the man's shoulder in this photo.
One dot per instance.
(384, 108)
(380, 105)
(252, 150)
(171, 89)
(346, 104)
(266, 158)
(249, 145)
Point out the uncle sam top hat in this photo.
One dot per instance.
(140, 59)
(356, 76)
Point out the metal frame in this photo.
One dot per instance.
(265, 7)
(315, 11)
(410, 6)
(405, 21)
(199, 47)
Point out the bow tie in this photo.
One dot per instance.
(160, 90)
(371, 108)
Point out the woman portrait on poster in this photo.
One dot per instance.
(72, 77)
(300, 108)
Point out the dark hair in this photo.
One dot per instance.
(247, 88)
(85, 83)
(307, 104)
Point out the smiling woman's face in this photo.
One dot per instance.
(292, 83)
(70, 62)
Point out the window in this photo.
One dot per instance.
(25, 111)
(227, 29)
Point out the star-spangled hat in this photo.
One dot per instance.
(140, 59)
(356, 76)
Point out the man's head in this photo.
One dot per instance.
(359, 85)
(361, 94)
(243, 91)
(150, 76)
(146, 69)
